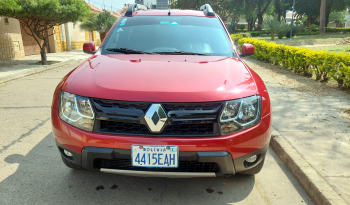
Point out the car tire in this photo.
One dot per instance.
(254, 170)
(71, 164)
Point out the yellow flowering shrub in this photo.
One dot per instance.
(322, 64)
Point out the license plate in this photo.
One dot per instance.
(155, 156)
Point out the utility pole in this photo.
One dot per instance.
(291, 30)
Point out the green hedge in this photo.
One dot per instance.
(337, 30)
(237, 36)
(322, 64)
(329, 30)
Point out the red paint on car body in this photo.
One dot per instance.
(165, 78)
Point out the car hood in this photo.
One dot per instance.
(161, 78)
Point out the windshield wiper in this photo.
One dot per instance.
(183, 53)
(126, 50)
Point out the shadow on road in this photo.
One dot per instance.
(42, 178)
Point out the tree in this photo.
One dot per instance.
(37, 17)
(279, 9)
(187, 4)
(224, 8)
(311, 8)
(322, 17)
(254, 10)
(261, 8)
(250, 13)
(337, 17)
(271, 26)
(101, 23)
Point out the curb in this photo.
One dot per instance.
(32, 71)
(314, 184)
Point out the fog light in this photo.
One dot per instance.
(68, 153)
(251, 159)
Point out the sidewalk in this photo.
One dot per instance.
(18, 68)
(313, 121)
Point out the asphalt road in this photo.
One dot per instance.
(31, 170)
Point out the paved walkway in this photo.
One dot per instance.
(9, 69)
(315, 119)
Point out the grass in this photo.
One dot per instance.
(332, 49)
(308, 39)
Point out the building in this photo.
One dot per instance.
(155, 4)
(15, 43)
(11, 43)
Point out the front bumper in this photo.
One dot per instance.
(227, 165)
(229, 152)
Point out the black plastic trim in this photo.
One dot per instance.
(182, 113)
(134, 7)
(76, 159)
(178, 113)
(158, 135)
(245, 55)
(89, 52)
(207, 10)
(227, 165)
(240, 164)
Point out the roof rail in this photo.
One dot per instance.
(135, 7)
(207, 10)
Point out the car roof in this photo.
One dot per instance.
(173, 12)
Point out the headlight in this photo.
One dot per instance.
(76, 110)
(240, 114)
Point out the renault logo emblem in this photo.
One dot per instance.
(155, 117)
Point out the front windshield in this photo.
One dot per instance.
(168, 35)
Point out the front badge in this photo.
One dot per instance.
(155, 118)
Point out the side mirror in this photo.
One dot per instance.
(89, 47)
(247, 50)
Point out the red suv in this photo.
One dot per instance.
(166, 95)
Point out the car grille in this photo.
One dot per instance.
(184, 119)
(184, 166)
(123, 127)
(134, 128)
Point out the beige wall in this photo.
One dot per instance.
(13, 30)
(76, 34)
(11, 44)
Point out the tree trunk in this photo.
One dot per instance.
(260, 21)
(249, 25)
(43, 52)
(322, 17)
(102, 36)
(308, 21)
(328, 12)
(278, 9)
(272, 37)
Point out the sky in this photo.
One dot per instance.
(116, 4)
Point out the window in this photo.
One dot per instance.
(170, 34)
(6, 21)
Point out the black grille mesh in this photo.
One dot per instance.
(189, 129)
(184, 166)
(123, 127)
(134, 128)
